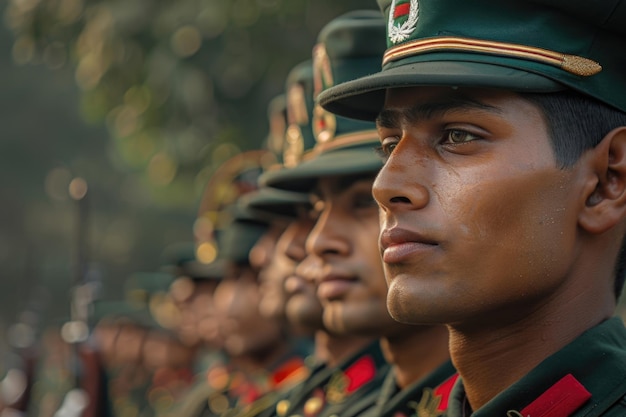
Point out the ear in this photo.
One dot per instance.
(605, 193)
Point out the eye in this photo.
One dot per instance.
(456, 136)
(387, 145)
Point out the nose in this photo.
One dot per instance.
(399, 185)
(325, 238)
(262, 252)
(296, 235)
(310, 269)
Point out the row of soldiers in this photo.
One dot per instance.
(499, 243)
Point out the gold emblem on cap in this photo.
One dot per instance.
(573, 64)
(322, 70)
(294, 146)
(296, 105)
(324, 123)
(297, 116)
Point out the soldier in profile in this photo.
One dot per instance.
(503, 194)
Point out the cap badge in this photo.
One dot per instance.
(324, 123)
(402, 20)
(298, 117)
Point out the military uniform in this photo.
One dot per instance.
(520, 46)
(328, 390)
(585, 378)
(350, 46)
(331, 390)
(231, 390)
(427, 397)
(252, 395)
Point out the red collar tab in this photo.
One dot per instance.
(360, 373)
(342, 384)
(560, 400)
(293, 370)
(443, 392)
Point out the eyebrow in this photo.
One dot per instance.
(392, 117)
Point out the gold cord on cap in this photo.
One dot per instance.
(573, 64)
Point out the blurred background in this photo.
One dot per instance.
(114, 114)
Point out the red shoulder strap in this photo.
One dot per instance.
(560, 400)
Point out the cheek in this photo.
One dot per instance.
(517, 224)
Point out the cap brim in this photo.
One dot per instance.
(303, 177)
(363, 98)
(276, 203)
(199, 271)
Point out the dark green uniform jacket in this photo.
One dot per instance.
(429, 394)
(329, 391)
(585, 378)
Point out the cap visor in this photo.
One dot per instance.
(303, 177)
(276, 202)
(364, 97)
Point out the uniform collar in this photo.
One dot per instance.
(595, 362)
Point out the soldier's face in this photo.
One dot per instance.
(274, 267)
(205, 314)
(303, 307)
(351, 285)
(244, 329)
(477, 221)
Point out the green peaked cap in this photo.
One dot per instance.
(518, 45)
(268, 202)
(299, 101)
(348, 47)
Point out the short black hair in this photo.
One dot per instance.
(577, 123)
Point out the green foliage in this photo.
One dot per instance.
(168, 77)
(143, 99)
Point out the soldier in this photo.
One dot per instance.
(193, 292)
(256, 346)
(302, 307)
(342, 250)
(503, 125)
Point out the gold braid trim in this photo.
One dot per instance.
(573, 64)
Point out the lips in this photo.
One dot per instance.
(401, 245)
(295, 284)
(333, 286)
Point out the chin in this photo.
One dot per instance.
(408, 306)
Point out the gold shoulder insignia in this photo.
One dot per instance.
(336, 390)
(428, 405)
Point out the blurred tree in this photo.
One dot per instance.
(143, 99)
(180, 85)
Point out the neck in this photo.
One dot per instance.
(332, 349)
(481, 352)
(428, 343)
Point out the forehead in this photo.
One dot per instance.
(427, 102)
